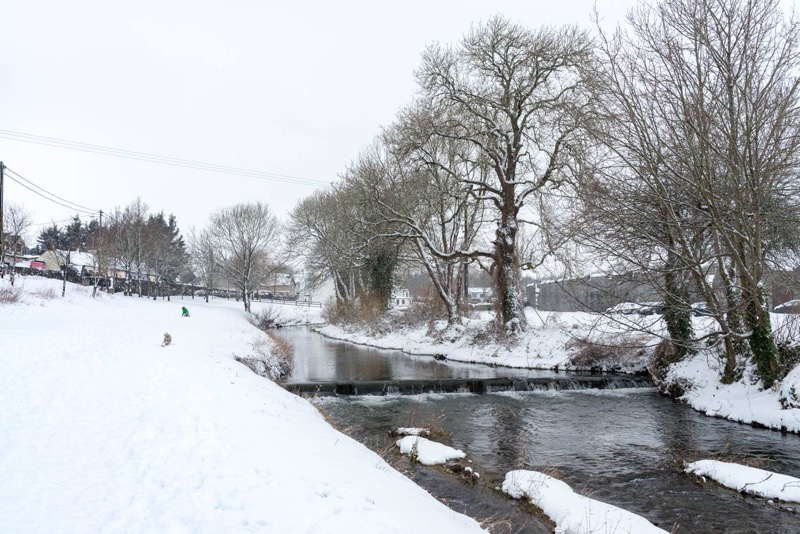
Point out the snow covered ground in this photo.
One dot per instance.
(289, 313)
(104, 430)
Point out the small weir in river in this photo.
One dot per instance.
(606, 436)
(472, 385)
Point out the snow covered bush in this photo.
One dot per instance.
(272, 358)
(624, 353)
(420, 313)
(366, 314)
(787, 340)
(788, 357)
(266, 318)
(789, 393)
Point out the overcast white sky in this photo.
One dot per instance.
(294, 88)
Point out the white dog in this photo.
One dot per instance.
(167, 339)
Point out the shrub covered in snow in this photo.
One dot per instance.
(788, 357)
(272, 358)
(789, 393)
(265, 318)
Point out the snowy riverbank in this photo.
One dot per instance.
(553, 341)
(104, 430)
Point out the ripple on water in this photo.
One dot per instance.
(621, 446)
(624, 447)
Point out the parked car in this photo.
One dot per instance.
(651, 308)
(791, 306)
(624, 308)
(701, 309)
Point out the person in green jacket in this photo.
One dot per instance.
(184, 312)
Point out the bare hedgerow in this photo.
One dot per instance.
(9, 295)
(624, 353)
(273, 360)
(266, 318)
(47, 293)
(364, 314)
(337, 312)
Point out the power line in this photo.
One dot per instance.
(62, 220)
(50, 199)
(155, 158)
(18, 175)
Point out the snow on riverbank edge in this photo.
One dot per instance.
(552, 342)
(751, 480)
(743, 401)
(428, 452)
(573, 513)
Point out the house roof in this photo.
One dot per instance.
(85, 259)
(76, 258)
(279, 279)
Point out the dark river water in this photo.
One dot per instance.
(320, 359)
(621, 446)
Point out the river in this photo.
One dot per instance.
(621, 446)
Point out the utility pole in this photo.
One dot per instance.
(97, 247)
(2, 242)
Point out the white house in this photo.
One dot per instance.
(480, 294)
(400, 299)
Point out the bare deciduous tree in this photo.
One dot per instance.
(126, 236)
(326, 232)
(701, 99)
(246, 240)
(16, 222)
(413, 188)
(203, 262)
(516, 95)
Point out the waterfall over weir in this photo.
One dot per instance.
(471, 385)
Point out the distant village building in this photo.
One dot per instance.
(592, 293)
(400, 299)
(13, 247)
(84, 268)
(279, 285)
(599, 292)
(479, 295)
(81, 263)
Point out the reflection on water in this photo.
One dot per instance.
(623, 447)
(319, 359)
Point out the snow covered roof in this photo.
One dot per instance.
(85, 259)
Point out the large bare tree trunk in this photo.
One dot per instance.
(507, 275)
